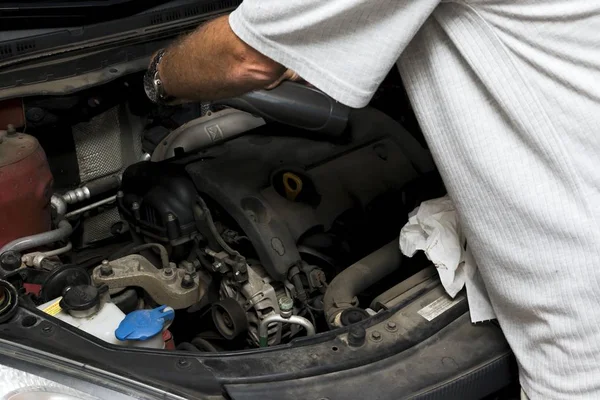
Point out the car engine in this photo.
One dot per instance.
(237, 224)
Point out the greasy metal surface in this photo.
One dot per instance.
(259, 298)
(206, 131)
(135, 270)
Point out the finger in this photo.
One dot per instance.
(288, 75)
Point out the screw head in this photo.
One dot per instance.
(375, 335)
(183, 363)
(47, 329)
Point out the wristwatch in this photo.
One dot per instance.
(153, 84)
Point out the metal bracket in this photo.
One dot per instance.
(165, 286)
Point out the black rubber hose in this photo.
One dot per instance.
(164, 255)
(203, 345)
(103, 185)
(202, 212)
(185, 346)
(300, 292)
(296, 105)
(126, 301)
(341, 292)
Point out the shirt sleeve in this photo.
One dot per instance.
(343, 47)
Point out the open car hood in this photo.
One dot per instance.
(39, 14)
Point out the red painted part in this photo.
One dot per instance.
(11, 112)
(32, 288)
(169, 341)
(25, 188)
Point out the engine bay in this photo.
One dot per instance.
(202, 227)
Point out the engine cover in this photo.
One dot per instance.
(278, 188)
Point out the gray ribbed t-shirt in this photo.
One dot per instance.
(508, 95)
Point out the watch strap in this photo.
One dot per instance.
(153, 84)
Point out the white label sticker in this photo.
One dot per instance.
(438, 307)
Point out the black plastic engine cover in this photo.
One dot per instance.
(158, 200)
(241, 175)
(244, 176)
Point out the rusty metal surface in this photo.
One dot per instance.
(135, 270)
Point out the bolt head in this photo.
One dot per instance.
(106, 269)
(187, 281)
(391, 325)
(375, 335)
(285, 304)
(168, 271)
(357, 336)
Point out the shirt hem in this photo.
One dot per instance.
(339, 90)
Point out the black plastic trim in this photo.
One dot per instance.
(74, 69)
(46, 14)
(310, 358)
(117, 30)
(476, 383)
(460, 362)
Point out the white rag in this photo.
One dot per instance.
(434, 228)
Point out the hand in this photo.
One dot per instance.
(288, 75)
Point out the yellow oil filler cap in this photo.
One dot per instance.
(292, 184)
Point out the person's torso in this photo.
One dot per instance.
(508, 95)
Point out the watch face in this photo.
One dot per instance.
(149, 87)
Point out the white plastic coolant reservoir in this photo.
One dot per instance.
(82, 308)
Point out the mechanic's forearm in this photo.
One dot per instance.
(213, 63)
